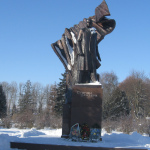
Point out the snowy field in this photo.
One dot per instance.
(52, 136)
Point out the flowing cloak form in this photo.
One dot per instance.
(77, 49)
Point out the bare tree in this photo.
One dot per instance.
(137, 91)
(109, 83)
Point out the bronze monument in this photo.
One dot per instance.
(78, 51)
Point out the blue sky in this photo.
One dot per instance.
(28, 27)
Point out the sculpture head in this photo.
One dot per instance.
(105, 25)
(89, 23)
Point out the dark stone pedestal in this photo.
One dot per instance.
(66, 120)
(86, 107)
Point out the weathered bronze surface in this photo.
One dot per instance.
(78, 47)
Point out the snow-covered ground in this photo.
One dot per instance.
(52, 136)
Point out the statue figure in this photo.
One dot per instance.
(88, 55)
(78, 47)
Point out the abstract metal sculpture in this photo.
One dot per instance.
(78, 47)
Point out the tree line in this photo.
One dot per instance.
(126, 105)
(29, 105)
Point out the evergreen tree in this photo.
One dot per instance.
(61, 94)
(3, 107)
(119, 104)
(52, 98)
(26, 99)
(50, 105)
(26, 115)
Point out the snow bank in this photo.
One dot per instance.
(32, 132)
(52, 136)
(135, 140)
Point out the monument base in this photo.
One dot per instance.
(66, 120)
(86, 107)
(33, 146)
